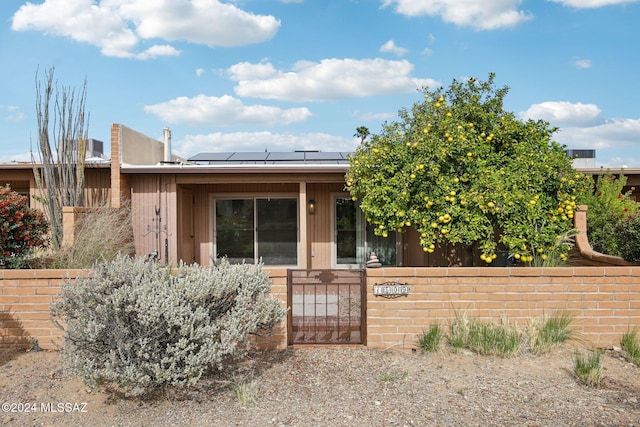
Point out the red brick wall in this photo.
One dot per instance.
(26, 297)
(604, 300)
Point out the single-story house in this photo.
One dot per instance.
(291, 210)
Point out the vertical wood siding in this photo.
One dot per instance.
(97, 188)
(145, 198)
(320, 230)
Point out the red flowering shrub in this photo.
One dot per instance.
(22, 228)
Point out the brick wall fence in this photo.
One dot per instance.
(25, 300)
(605, 301)
(26, 297)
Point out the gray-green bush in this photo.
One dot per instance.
(131, 326)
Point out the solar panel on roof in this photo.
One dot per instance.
(249, 156)
(210, 157)
(320, 155)
(285, 156)
(259, 157)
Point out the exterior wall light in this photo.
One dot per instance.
(312, 206)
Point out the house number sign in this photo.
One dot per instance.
(390, 290)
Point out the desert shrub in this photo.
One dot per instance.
(607, 205)
(627, 235)
(547, 332)
(431, 338)
(631, 346)
(247, 391)
(22, 229)
(132, 327)
(588, 367)
(490, 338)
(393, 375)
(459, 331)
(485, 338)
(100, 235)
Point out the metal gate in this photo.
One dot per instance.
(326, 307)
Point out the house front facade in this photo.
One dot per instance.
(291, 211)
(286, 209)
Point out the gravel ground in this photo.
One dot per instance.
(346, 386)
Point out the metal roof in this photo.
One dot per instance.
(271, 158)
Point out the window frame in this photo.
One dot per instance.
(213, 198)
(334, 241)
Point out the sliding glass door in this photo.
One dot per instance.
(250, 229)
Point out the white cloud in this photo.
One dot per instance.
(260, 141)
(391, 47)
(367, 116)
(582, 127)
(615, 133)
(614, 162)
(247, 71)
(563, 113)
(12, 113)
(477, 14)
(199, 72)
(156, 51)
(591, 4)
(118, 26)
(582, 63)
(224, 111)
(330, 79)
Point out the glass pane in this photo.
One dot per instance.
(346, 231)
(277, 231)
(384, 247)
(234, 230)
(352, 247)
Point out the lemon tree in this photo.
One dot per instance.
(457, 167)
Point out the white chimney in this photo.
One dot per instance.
(167, 145)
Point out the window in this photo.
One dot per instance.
(355, 239)
(250, 229)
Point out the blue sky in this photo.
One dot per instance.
(284, 75)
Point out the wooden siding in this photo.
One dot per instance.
(96, 192)
(146, 197)
(320, 225)
(97, 188)
(445, 255)
(151, 191)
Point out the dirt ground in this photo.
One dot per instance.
(328, 386)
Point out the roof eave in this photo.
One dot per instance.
(232, 169)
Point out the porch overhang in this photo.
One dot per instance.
(185, 168)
